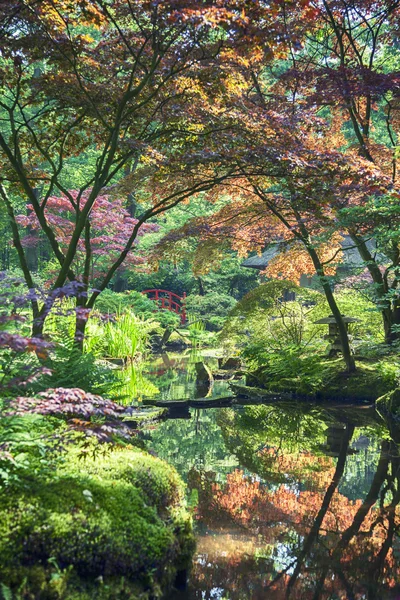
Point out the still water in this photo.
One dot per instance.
(289, 501)
(174, 376)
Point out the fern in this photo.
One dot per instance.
(71, 368)
(6, 593)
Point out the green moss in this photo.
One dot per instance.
(158, 483)
(367, 383)
(120, 515)
(328, 380)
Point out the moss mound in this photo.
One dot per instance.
(159, 484)
(327, 380)
(366, 384)
(116, 518)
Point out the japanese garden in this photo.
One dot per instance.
(199, 299)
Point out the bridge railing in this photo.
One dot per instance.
(168, 301)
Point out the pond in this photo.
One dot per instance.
(173, 375)
(289, 500)
(168, 376)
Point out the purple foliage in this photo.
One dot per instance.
(68, 402)
(85, 412)
(19, 343)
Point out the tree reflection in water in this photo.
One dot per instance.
(281, 526)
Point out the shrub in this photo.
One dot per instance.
(68, 367)
(110, 302)
(114, 302)
(30, 446)
(90, 414)
(212, 308)
(268, 323)
(291, 369)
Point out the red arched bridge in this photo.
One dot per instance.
(169, 301)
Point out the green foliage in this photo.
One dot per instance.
(265, 326)
(6, 592)
(177, 278)
(60, 323)
(212, 308)
(29, 448)
(263, 323)
(165, 318)
(111, 517)
(196, 329)
(110, 302)
(290, 369)
(15, 370)
(125, 336)
(263, 297)
(286, 352)
(230, 278)
(70, 368)
(114, 302)
(389, 371)
(313, 376)
(356, 304)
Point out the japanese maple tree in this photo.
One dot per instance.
(345, 68)
(110, 226)
(123, 79)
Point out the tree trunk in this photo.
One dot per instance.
(201, 286)
(32, 256)
(343, 335)
(40, 316)
(314, 532)
(37, 326)
(81, 319)
(390, 315)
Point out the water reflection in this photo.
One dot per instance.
(174, 374)
(290, 501)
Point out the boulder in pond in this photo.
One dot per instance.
(230, 364)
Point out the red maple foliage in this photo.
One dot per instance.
(110, 229)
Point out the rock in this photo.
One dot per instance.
(229, 364)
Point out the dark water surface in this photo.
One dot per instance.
(289, 500)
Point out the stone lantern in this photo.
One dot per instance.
(333, 336)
